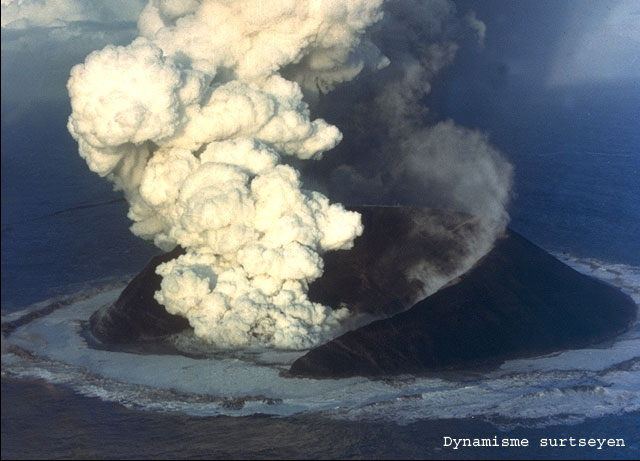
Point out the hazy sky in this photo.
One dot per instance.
(548, 43)
(43, 39)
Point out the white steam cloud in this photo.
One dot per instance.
(191, 121)
(199, 119)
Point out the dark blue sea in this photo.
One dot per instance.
(65, 237)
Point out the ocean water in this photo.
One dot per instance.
(66, 251)
(576, 153)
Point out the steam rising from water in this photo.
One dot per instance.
(193, 119)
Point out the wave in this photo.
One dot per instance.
(50, 341)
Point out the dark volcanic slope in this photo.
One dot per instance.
(517, 301)
(136, 315)
(372, 276)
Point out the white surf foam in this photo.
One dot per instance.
(566, 386)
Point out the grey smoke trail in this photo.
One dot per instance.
(395, 150)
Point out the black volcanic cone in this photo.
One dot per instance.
(517, 301)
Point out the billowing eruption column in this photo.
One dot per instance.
(199, 119)
(191, 121)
